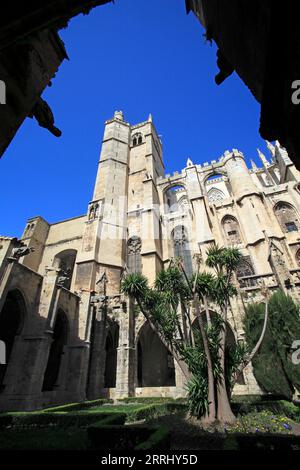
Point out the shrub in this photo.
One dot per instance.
(151, 411)
(151, 400)
(61, 419)
(103, 437)
(278, 407)
(79, 406)
(272, 365)
(158, 440)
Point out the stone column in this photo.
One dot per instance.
(97, 349)
(125, 386)
(180, 381)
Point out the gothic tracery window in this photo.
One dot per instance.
(245, 270)
(183, 204)
(298, 257)
(181, 248)
(215, 195)
(287, 217)
(137, 139)
(231, 229)
(134, 260)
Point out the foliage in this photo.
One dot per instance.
(159, 439)
(263, 422)
(197, 396)
(79, 406)
(272, 366)
(168, 305)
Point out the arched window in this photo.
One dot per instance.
(298, 257)
(215, 195)
(111, 345)
(245, 267)
(287, 217)
(181, 248)
(245, 270)
(57, 350)
(12, 318)
(65, 261)
(183, 204)
(231, 230)
(175, 198)
(137, 139)
(134, 260)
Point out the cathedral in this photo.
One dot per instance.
(70, 334)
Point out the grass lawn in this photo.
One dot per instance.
(186, 433)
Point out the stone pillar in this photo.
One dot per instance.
(180, 381)
(125, 386)
(97, 350)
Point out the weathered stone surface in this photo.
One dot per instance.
(88, 340)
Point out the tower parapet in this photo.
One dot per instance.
(239, 175)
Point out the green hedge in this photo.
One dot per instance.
(79, 406)
(151, 411)
(63, 420)
(151, 400)
(133, 437)
(160, 439)
(278, 407)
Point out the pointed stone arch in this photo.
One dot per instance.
(12, 321)
(287, 216)
(215, 195)
(111, 349)
(65, 261)
(60, 338)
(231, 229)
(155, 365)
(181, 247)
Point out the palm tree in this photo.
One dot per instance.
(167, 308)
(224, 262)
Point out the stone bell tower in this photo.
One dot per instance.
(106, 218)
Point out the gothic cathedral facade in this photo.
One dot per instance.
(70, 334)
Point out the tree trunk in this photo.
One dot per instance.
(208, 319)
(211, 416)
(249, 358)
(224, 414)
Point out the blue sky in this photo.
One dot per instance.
(140, 57)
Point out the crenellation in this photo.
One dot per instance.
(137, 220)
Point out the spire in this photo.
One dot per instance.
(253, 164)
(150, 119)
(271, 148)
(189, 162)
(263, 159)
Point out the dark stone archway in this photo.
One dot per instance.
(155, 365)
(12, 319)
(111, 346)
(59, 341)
